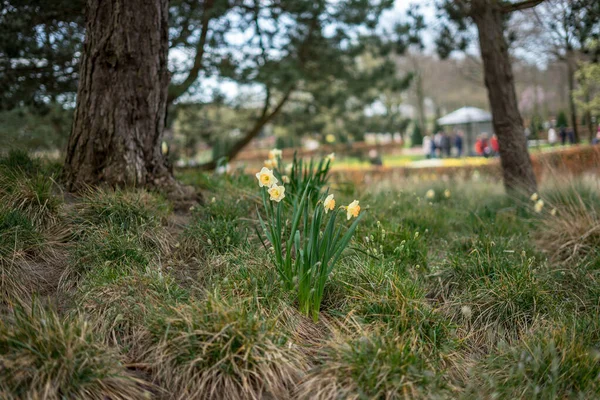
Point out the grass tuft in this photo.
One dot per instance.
(496, 289)
(555, 364)
(219, 350)
(127, 210)
(380, 365)
(43, 356)
(26, 187)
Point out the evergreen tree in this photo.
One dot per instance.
(416, 138)
(562, 120)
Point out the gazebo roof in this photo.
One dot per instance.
(465, 115)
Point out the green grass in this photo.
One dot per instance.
(379, 365)
(548, 364)
(472, 295)
(44, 355)
(215, 348)
(29, 186)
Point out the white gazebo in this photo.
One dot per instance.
(472, 120)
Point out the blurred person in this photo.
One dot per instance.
(446, 144)
(426, 146)
(375, 157)
(571, 135)
(563, 135)
(437, 140)
(596, 140)
(487, 150)
(458, 143)
(479, 146)
(552, 136)
(494, 145)
(482, 147)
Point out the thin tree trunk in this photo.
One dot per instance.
(588, 118)
(420, 97)
(508, 125)
(421, 104)
(590, 125)
(121, 101)
(572, 108)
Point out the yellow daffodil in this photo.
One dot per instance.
(277, 193)
(266, 178)
(330, 157)
(288, 168)
(353, 209)
(270, 163)
(275, 154)
(330, 138)
(329, 203)
(553, 212)
(447, 193)
(534, 197)
(164, 148)
(430, 194)
(285, 179)
(538, 206)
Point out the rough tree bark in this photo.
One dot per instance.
(508, 125)
(121, 100)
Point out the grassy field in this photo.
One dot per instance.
(447, 290)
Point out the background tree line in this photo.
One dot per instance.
(317, 57)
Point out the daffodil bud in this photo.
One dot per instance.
(466, 311)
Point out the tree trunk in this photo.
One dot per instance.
(421, 104)
(572, 109)
(121, 100)
(508, 125)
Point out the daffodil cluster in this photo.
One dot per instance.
(267, 179)
(539, 204)
(303, 234)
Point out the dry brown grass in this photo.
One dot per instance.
(217, 350)
(45, 356)
(574, 231)
(377, 365)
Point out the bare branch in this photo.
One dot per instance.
(177, 90)
(522, 5)
(254, 131)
